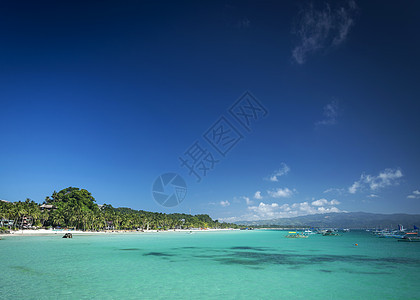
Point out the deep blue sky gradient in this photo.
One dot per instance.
(106, 96)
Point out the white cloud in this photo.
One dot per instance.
(373, 196)
(257, 195)
(284, 169)
(280, 193)
(414, 195)
(319, 202)
(353, 189)
(334, 190)
(265, 210)
(247, 200)
(323, 210)
(323, 202)
(224, 203)
(274, 210)
(321, 29)
(385, 178)
(330, 114)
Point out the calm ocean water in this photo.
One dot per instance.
(209, 265)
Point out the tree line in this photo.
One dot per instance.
(76, 208)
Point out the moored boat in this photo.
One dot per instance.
(330, 233)
(410, 237)
(296, 235)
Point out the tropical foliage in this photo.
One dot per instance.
(76, 208)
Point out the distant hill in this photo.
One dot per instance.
(344, 220)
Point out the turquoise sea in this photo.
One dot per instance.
(259, 264)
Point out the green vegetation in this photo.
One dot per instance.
(76, 208)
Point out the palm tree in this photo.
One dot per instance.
(44, 216)
(57, 217)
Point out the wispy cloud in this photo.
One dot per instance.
(334, 191)
(247, 200)
(224, 203)
(258, 195)
(320, 29)
(280, 193)
(330, 114)
(323, 202)
(283, 170)
(373, 196)
(274, 210)
(385, 178)
(414, 195)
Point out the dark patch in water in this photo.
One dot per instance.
(257, 258)
(366, 273)
(255, 268)
(249, 248)
(297, 260)
(157, 254)
(362, 259)
(326, 271)
(130, 249)
(399, 260)
(25, 270)
(206, 256)
(269, 258)
(237, 261)
(186, 247)
(321, 259)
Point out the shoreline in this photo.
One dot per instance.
(46, 232)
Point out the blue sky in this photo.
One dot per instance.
(107, 96)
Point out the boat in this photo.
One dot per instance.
(296, 235)
(330, 233)
(410, 237)
(387, 233)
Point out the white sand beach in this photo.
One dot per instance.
(47, 232)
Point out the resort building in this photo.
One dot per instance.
(6, 223)
(47, 207)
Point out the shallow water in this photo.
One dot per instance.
(259, 264)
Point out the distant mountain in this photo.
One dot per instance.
(344, 220)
